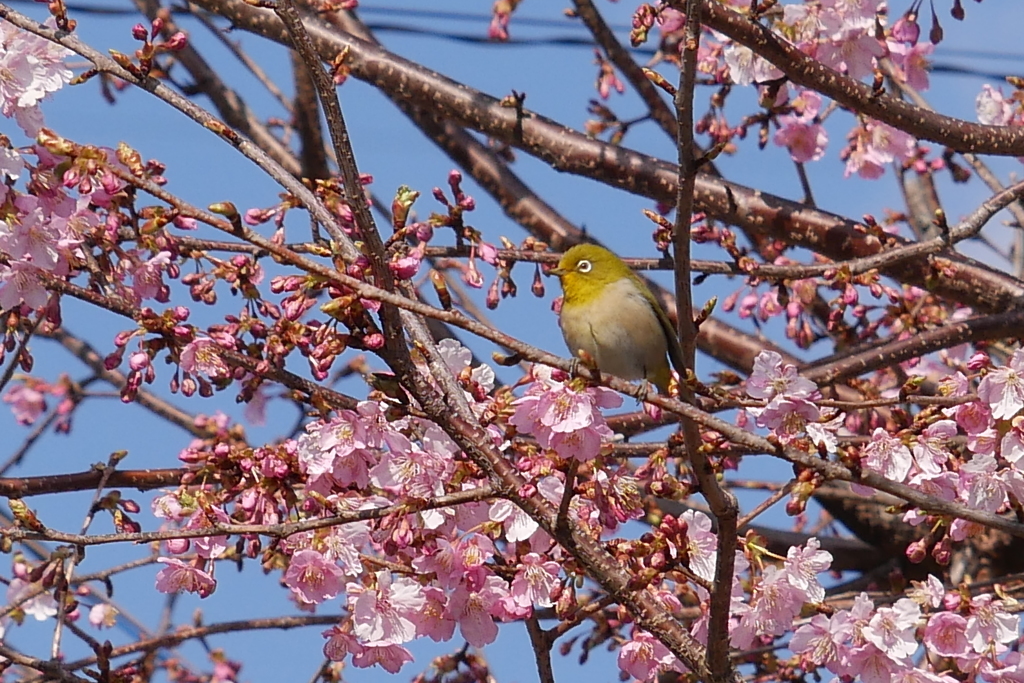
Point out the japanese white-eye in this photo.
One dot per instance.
(609, 315)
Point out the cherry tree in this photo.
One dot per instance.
(447, 481)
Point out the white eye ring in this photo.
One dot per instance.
(584, 266)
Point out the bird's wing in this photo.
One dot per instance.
(675, 351)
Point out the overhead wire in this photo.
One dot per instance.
(584, 40)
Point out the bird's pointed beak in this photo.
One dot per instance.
(557, 272)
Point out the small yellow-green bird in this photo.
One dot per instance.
(610, 315)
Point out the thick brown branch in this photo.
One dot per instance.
(140, 480)
(759, 214)
(803, 70)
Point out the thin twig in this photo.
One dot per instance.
(764, 505)
(69, 571)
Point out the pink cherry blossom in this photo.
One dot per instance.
(455, 355)
(518, 525)
(803, 565)
(701, 544)
(930, 451)
(1012, 445)
(824, 433)
(168, 506)
(852, 51)
(818, 641)
(644, 656)
(943, 486)
(745, 67)
(893, 629)
(390, 656)
(312, 577)
(471, 604)
(210, 547)
(983, 443)
(434, 623)
(27, 402)
(962, 528)
(787, 418)
(340, 643)
(973, 417)
(147, 277)
(408, 469)
(40, 606)
(20, 284)
(103, 615)
(929, 592)
(774, 603)
(984, 491)
(336, 439)
(388, 612)
(1009, 670)
(11, 167)
(771, 377)
(806, 141)
(564, 410)
(406, 267)
(870, 664)
(564, 419)
(887, 455)
(1013, 480)
(945, 635)
(442, 559)
(535, 581)
(911, 62)
(343, 543)
(33, 236)
(800, 131)
(178, 576)
(989, 626)
(33, 68)
(992, 108)
(201, 357)
(853, 13)
(1003, 388)
(873, 146)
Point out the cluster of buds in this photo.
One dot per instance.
(643, 21)
(455, 211)
(145, 56)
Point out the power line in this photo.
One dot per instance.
(570, 41)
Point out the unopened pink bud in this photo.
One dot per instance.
(138, 360)
(176, 42)
(978, 361)
(177, 546)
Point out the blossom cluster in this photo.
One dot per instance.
(877, 644)
(849, 37)
(33, 68)
(473, 565)
(986, 476)
(363, 460)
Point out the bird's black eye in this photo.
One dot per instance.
(583, 266)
